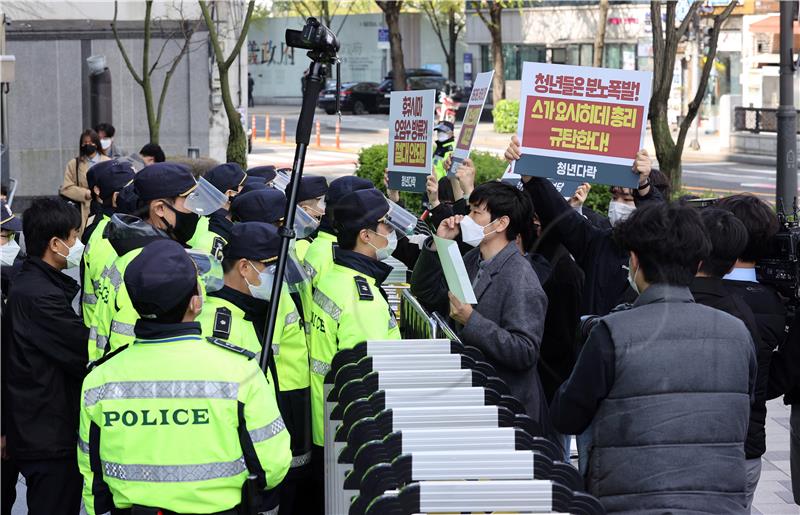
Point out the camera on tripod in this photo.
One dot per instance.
(780, 268)
(315, 37)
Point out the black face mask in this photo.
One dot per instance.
(185, 225)
(88, 149)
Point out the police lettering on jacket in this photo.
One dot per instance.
(161, 417)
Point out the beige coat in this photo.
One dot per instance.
(75, 187)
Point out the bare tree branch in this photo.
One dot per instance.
(122, 48)
(172, 68)
(684, 26)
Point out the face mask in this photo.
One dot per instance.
(441, 137)
(185, 225)
(74, 255)
(105, 143)
(619, 211)
(632, 279)
(88, 149)
(388, 250)
(264, 290)
(472, 233)
(8, 253)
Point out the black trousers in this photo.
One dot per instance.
(54, 486)
(9, 473)
(316, 490)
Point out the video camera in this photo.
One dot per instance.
(781, 267)
(317, 38)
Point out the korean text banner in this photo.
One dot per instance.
(410, 139)
(472, 116)
(582, 124)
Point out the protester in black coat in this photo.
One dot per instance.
(47, 360)
(595, 251)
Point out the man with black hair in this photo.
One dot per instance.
(47, 359)
(666, 435)
(237, 314)
(349, 305)
(508, 321)
(152, 153)
(106, 180)
(177, 422)
(728, 237)
(106, 132)
(170, 202)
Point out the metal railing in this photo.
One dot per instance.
(757, 119)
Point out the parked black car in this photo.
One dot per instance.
(358, 97)
(431, 80)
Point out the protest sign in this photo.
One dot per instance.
(472, 116)
(455, 272)
(566, 188)
(581, 124)
(410, 139)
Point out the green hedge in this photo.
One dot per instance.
(372, 161)
(506, 115)
(599, 197)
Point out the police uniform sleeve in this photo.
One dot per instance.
(265, 440)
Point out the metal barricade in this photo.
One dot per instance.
(414, 320)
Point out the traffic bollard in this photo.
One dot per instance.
(266, 125)
(254, 132)
(338, 129)
(319, 138)
(283, 129)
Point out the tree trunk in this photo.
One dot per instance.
(153, 122)
(600, 37)
(453, 40)
(667, 152)
(237, 141)
(499, 80)
(392, 10)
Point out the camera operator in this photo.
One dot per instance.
(728, 238)
(593, 248)
(784, 379)
(665, 434)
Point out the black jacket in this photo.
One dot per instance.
(47, 359)
(784, 370)
(594, 250)
(712, 292)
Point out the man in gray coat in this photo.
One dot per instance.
(666, 385)
(508, 320)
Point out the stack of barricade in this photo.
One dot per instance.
(426, 426)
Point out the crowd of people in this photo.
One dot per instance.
(643, 333)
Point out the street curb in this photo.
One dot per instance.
(752, 159)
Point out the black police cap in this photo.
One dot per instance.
(227, 176)
(344, 185)
(113, 177)
(266, 172)
(253, 184)
(127, 200)
(164, 180)
(312, 186)
(96, 170)
(256, 241)
(9, 221)
(160, 277)
(360, 209)
(444, 125)
(267, 205)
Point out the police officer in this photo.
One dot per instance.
(213, 231)
(176, 422)
(265, 205)
(349, 305)
(311, 199)
(108, 178)
(237, 314)
(445, 141)
(319, 256)
(171, 200)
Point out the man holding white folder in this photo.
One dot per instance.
(507, 321)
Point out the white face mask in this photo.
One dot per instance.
(384, 253)
(619, 211)
(443, 136)
(263, 290)
(472, 233)
(632, 278)
(74, 254)
(105, 143)
(8, 253)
